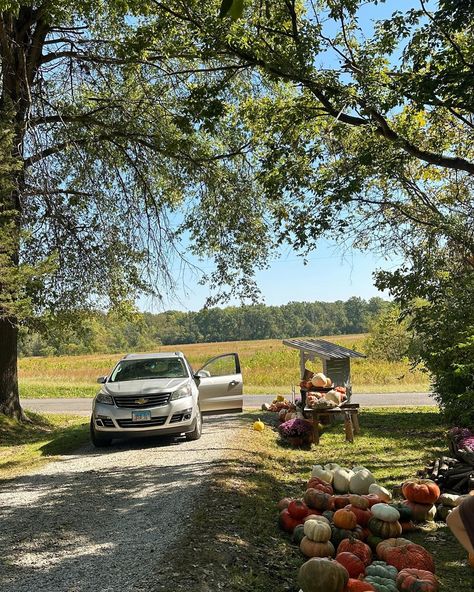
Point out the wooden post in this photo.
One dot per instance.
(348, 426)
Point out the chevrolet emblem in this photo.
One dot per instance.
(141, 401)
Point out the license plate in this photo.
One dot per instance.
(141, 415)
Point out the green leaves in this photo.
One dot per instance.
(232, 8)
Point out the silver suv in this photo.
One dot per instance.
(159, 394)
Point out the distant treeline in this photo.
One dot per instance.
(108, 333)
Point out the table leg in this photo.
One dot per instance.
(316, 427)
(355, 422)
(348, 427)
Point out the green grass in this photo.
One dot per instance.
(237, 527)
(27, 446)
(267, 366)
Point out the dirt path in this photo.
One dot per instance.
(100, 521)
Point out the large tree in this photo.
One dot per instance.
(98, 152)
(362, 128)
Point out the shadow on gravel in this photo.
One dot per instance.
(83, 526)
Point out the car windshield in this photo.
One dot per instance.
(148, 368)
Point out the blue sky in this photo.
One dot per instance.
(329, 275)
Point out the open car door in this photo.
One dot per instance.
(220, 385)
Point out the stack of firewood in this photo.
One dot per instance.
(452, 475)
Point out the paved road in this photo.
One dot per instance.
(83, 406)
(102, 520)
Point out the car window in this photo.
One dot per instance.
(225, 365)
(148, 369)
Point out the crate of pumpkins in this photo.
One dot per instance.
(352, 533)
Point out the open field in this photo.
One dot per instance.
(27, 446)
(238, 531)
(267, 366)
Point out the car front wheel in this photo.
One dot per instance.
(99, 440)
(196, 433)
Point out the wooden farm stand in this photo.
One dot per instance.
(337, 365)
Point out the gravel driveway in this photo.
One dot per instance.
(100, 520)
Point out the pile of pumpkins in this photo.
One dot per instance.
(344, 517)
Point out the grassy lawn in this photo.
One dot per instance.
(267, 366)
(27, 446)
(235, 531)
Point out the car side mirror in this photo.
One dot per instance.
(102, 379)
(202, 374)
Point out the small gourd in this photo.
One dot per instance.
(258, 425)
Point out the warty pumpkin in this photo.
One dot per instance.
(357, 547)
(354, 565)
(314, 498)
(408, 556)
(354, 585)
(322, 575)
(417, 580)
(314, 549)
(359, 502)
(317, 483)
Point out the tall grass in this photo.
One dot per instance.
(267, 366)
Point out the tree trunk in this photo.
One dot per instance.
(9, 396)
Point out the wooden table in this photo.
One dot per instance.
(350, 412)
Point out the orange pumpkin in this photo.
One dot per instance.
(416, 580)
(421, 491)
(363, 516)
(345, 519)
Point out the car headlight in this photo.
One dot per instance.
(103, 398)
(184, 391)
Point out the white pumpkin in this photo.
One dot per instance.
(361, 481)
(333, 396)
(317, 531)
(384, 494)
(332, 467)
(450, 500)
(385, 512)
(319, 379)
(342, 478)
(321, 473)
(317, 517)
(358, 468)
